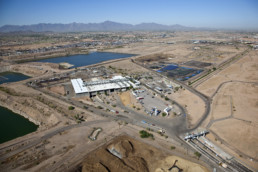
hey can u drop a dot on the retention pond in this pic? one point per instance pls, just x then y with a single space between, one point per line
12 77
86 59
13 125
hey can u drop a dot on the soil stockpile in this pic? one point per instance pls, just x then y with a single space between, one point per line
125 154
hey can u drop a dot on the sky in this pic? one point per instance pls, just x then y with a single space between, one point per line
234 14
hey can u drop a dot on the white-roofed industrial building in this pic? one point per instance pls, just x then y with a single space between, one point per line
91 88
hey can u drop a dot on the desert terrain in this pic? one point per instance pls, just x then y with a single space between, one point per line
233 117
224 103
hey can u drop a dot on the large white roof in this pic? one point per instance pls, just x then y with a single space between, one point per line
78 86
117 82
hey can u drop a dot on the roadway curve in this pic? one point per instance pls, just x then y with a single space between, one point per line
205 98
221 84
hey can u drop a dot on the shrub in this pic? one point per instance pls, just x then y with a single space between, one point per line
99 107
164 114
172 147
197 154
145 134
71 108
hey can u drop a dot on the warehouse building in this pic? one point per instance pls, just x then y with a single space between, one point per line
91 88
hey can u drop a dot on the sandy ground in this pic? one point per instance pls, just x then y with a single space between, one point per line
246 69
221 106
126 98
58 89
35 68
192 103
240 134
244 112
187 166
181 52
127 66
234 111
244 100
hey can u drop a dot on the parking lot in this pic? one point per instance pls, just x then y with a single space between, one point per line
151 102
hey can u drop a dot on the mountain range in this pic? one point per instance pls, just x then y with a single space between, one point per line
104 26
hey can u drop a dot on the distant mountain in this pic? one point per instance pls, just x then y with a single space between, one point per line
104 26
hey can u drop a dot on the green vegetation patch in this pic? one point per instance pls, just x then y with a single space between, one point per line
71 108
197 154
145 134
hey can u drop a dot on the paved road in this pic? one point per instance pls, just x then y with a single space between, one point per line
220 85
205 98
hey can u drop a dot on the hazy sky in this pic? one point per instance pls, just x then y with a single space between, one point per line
198 13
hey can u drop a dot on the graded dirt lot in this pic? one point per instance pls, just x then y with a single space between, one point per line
234 108
58 89
239 134
239 105
127 66
246 69
192 103
34 69
127 99
131 155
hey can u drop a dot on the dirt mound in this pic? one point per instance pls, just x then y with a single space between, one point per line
138 163
124 147
94 167
122 154
130 155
